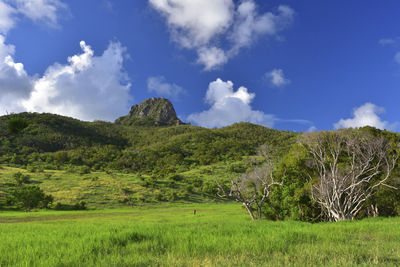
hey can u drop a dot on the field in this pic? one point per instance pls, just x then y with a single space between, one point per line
171 235
117 190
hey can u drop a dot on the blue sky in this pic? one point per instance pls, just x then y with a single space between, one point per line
296 65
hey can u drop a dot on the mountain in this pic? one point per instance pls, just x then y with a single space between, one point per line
134 143
152 111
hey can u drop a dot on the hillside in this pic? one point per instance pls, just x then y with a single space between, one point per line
150 139
130 162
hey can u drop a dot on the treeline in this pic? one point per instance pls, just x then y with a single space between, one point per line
325 176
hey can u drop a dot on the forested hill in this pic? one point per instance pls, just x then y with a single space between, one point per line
146 157
54 140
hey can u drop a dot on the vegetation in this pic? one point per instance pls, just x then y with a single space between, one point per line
218 235
163 184
30 197
111 165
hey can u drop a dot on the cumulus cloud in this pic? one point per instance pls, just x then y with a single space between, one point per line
15 84
161 87
46 11
39 10
194 23
89 87
211 57
201 24
249 24
6 17
365 115
229 106
277 78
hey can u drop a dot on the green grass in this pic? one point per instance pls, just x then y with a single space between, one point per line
112 190
170 235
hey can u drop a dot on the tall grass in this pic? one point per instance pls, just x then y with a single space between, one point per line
218 235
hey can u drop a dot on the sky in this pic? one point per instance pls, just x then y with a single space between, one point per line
293 65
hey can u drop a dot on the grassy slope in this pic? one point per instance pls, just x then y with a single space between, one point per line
218 235
100 189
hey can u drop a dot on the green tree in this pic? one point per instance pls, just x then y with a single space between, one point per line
21 179
30 197
16 125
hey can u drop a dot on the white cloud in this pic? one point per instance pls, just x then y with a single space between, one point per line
201 24
277 78
211 57
161 87
194 23
88 87
397 57
229 106
46 11
39 10
312 129
389 41
6 17
15 84
365 115
249 24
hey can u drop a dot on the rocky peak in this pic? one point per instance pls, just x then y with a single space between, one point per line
152 111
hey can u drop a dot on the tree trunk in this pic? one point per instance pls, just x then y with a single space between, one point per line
249 211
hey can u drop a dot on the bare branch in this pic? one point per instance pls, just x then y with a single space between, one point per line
350 168
252 188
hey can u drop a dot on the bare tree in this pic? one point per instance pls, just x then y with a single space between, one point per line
251 188
350 167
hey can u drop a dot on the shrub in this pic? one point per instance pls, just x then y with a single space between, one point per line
21 179
209 188
176 177
84 170
30 197
81 205
171 196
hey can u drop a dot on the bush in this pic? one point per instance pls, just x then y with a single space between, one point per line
176 177
189 189
209 188
81 205
21 179
31 168
158 195
30 197
84 170
171 196
16 125
140 198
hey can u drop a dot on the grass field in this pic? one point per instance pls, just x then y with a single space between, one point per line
116 189
171 235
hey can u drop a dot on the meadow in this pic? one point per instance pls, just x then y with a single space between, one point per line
171 235
114 189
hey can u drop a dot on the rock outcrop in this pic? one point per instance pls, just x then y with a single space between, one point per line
152 111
